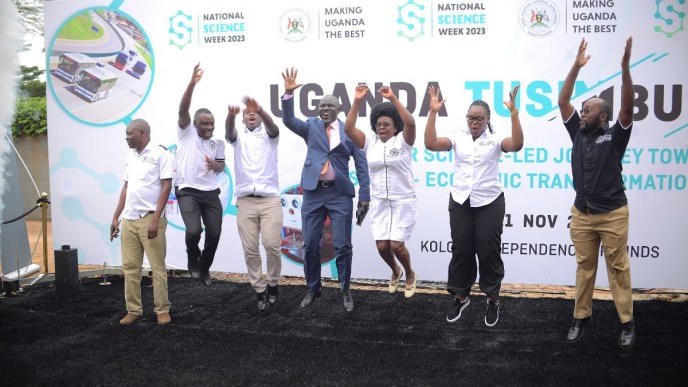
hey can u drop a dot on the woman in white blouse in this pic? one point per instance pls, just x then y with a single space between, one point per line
392 191
476 203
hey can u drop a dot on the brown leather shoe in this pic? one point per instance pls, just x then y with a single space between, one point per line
129 319
164 318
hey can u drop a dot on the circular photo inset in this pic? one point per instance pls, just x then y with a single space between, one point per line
100 66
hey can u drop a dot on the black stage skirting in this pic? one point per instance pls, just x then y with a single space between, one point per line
217 337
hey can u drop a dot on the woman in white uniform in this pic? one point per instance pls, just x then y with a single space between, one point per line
392 191
476 201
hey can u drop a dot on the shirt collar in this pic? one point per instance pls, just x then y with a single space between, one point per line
258 129
144 151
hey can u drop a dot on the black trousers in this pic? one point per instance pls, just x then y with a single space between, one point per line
476 231
196 205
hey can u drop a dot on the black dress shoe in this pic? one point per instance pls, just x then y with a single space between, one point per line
310 296
205 279
627 337
348 301
577 329
262 302
272 295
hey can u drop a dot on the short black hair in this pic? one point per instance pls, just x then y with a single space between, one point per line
386 109
607 108
201 111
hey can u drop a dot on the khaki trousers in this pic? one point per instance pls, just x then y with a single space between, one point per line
260 219
611 229
134 243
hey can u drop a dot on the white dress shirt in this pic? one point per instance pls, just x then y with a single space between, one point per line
475 167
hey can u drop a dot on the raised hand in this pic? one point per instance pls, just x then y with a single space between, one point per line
197 74
626 59
233 110
435 102
289 77
386 92
511 103
361 90
251 104
581 58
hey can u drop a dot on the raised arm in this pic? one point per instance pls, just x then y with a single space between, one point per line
288 119
270 127
409 132
230 123
355 134
565 106
185 104
627 93
432 142
515 142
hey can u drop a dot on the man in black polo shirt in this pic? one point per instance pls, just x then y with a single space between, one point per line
600 210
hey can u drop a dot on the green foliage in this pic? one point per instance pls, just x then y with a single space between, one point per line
30 118
31 85
79 28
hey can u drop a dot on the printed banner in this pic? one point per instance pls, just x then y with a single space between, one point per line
113 62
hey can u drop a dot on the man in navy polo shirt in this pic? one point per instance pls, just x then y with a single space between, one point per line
600 209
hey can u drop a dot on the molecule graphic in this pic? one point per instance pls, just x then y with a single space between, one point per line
415 22
73 208
180 29
669 19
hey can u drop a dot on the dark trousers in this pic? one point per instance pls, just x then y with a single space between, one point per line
317 204
476 231
196 205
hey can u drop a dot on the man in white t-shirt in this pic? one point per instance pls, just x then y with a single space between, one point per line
142 201
200 159
259 205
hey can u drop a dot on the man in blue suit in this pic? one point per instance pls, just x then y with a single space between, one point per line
327 189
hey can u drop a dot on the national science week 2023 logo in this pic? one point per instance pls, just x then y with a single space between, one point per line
213 28
539 18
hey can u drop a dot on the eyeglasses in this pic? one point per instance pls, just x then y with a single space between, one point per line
476 119
383 125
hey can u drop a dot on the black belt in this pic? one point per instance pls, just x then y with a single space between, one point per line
254 196
148 213
325 183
